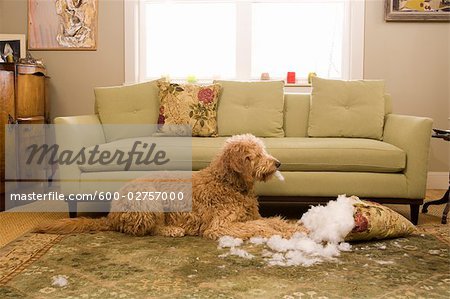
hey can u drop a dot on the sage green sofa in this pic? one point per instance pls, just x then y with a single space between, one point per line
391 170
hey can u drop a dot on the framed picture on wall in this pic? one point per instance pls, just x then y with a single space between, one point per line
12 47
62 24
417 10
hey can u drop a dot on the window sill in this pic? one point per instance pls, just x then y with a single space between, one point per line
297 85
300 83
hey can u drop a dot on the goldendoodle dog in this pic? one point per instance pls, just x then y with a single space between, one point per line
223 201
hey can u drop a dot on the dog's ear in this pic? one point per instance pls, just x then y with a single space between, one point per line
240 163
235 154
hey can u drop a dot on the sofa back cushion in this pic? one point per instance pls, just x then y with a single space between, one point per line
296 113
346 109
130 104
251 107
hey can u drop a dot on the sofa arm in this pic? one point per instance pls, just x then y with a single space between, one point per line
411 134
73 133
87 130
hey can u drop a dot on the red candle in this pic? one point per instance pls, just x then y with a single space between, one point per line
291 77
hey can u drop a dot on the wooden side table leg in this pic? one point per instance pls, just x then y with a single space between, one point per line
444 215
447 208
443 200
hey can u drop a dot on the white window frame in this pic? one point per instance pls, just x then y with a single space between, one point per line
135 40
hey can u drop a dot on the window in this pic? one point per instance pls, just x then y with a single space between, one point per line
184 39
241 39
301 37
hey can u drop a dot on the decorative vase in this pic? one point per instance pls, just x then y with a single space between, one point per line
290 78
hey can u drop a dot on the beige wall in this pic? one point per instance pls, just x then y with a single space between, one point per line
75 73
1 16
413 58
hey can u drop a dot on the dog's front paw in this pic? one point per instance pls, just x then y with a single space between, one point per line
213 235
170 231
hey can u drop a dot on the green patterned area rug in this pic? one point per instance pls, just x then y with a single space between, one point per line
113 265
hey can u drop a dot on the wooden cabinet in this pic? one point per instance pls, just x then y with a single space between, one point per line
7 113
23 99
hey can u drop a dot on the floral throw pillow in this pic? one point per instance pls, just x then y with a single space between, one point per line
188 104
375 221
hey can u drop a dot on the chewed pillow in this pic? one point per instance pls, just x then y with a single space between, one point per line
375 221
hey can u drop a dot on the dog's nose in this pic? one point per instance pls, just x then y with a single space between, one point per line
277 164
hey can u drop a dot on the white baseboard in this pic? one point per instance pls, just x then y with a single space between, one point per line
437 180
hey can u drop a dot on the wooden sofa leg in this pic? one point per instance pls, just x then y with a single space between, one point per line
72 208
415 213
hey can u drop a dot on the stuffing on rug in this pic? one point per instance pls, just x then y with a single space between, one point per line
327 225
330 223
60 281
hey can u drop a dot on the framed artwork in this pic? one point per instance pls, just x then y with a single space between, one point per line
12 47
417 10
62 24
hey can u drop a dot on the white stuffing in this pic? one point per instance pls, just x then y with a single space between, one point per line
266 253
279 176
277 259
257 240
227 241
60 280
344 246
295 258
278 243
327 225
241 253
330 223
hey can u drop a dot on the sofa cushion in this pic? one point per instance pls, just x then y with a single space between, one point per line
316 154
346 109
130 104
189 105
295 154
251 107
330 183
296 113
336 154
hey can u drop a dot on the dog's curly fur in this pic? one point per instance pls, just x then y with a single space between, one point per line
223 201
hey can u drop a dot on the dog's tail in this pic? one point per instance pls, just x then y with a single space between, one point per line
76 225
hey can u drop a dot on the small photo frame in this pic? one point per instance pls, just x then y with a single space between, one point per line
417 10
62 25
14 43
